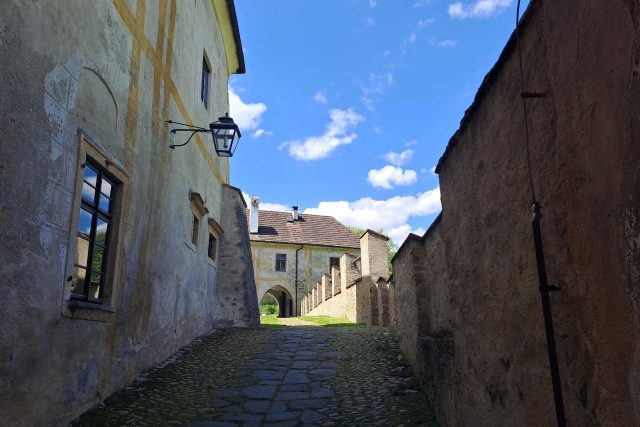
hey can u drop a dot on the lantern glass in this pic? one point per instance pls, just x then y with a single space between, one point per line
226 135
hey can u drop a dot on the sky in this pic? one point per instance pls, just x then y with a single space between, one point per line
347 105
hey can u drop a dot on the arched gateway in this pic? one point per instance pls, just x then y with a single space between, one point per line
284 299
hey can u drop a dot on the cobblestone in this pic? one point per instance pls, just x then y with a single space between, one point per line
298 375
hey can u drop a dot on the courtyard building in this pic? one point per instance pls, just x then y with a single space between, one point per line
291 251
116 250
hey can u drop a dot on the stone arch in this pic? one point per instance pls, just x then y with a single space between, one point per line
286 303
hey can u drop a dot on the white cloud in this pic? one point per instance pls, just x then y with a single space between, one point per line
320 97
421 3
410 143
422 23
479 9
260 132
386 53
378 84
267 206
390 176
369 21
398 159
391 214
398 234
412 37
246 116
377 130
447 43
373 3
337 133
433 171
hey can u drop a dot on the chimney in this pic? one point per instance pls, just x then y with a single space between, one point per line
294 213
253 214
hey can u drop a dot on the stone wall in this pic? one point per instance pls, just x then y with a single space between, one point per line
100 78
236 290
468 312
359 297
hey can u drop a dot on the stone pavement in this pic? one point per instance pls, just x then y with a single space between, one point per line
302 375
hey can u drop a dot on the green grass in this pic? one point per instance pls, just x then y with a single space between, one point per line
270 321
336 322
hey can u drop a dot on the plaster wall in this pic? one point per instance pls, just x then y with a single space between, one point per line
114 70
313 262
474 281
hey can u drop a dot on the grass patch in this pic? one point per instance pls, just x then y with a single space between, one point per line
270 321
336 322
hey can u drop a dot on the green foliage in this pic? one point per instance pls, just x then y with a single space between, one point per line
269 308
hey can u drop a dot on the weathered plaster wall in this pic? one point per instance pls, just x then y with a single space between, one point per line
479 322
116 70
313 262
236 290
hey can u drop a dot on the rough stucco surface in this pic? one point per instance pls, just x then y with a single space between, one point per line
236 288
477 307
74 65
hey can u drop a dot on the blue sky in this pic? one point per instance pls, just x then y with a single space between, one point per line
347 105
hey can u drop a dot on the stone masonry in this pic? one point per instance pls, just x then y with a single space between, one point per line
467 306
358 289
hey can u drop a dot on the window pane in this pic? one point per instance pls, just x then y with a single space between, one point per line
105 203
213 242
82 251
90 174
77 286
88 193
102 229
84 222
195 230
95 285
97 259
106 187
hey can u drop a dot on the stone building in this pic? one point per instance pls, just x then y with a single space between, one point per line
116 250
357 288
468 309
291 251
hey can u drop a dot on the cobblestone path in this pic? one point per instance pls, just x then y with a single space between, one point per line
326 376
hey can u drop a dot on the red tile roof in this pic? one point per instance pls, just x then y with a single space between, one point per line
309 230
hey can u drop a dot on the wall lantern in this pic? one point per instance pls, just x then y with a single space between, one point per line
225 134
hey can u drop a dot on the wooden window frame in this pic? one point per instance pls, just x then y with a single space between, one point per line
80 306
281 264
215 231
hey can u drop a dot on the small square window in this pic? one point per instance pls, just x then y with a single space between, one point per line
334 261
213 247
195 230
281 262
204 87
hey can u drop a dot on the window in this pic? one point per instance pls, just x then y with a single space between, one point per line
213 247
281 262
204 87
93 237
334 261
195 229
92 273
192 222
215 231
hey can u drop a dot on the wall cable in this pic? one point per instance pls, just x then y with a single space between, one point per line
544 288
